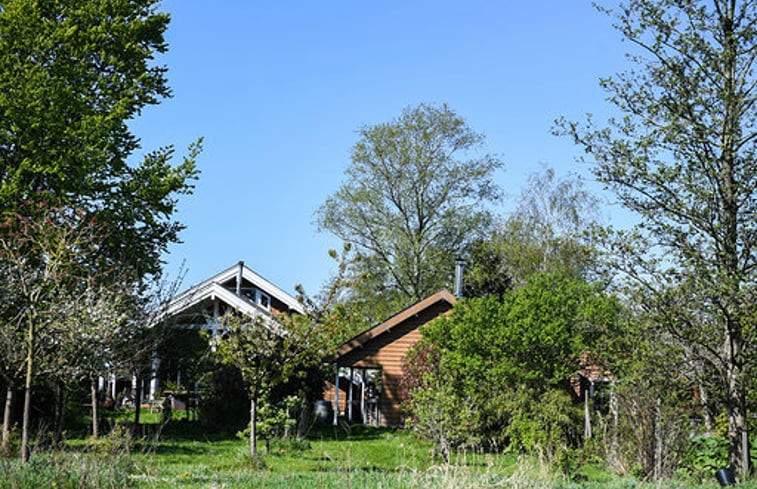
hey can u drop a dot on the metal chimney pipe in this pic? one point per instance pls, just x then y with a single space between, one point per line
459 265
239 278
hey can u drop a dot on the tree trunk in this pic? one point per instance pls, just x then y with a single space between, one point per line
95 424
704 402
615 426
738 433
253 433
587 413
137 403
25 443
658 440
5 447
302 425
60 402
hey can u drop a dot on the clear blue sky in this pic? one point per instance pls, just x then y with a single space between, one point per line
277 89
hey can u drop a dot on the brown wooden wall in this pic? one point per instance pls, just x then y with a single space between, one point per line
387 352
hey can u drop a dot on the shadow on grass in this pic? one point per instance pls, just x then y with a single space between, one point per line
344 431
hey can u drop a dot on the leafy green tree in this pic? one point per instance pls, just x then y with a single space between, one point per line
548 232
682 157
72 75
268 352
413 197
496 361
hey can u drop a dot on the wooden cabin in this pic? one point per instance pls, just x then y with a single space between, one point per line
369 366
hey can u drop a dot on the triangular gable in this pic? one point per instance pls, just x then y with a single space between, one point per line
398 319
218 289
199 292
212 292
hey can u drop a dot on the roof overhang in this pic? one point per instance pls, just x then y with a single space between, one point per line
247 274
386 326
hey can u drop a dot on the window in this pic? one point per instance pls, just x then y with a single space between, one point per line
262 299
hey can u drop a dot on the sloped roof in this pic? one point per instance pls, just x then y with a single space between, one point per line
212 288
386 326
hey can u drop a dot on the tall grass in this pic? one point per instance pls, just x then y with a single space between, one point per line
62 470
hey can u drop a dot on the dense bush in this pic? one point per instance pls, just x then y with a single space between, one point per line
496 373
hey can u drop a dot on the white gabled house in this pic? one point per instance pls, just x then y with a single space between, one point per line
238 289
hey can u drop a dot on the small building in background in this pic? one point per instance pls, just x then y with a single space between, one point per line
370 365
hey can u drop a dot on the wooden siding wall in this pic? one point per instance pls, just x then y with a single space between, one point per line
387 352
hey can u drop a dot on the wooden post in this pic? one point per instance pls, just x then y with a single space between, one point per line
336 396
214 326
349 395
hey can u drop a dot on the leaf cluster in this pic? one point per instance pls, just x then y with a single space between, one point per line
502 359
413 196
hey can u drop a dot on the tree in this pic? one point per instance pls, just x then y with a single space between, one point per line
683 158
270 351
44 259
87 336
413 197
11 356
72 75
548 232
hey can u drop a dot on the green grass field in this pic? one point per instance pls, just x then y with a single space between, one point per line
186 456
343 457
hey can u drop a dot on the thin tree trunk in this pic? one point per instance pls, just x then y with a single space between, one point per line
60 402
5 447
615 426
253 430
137 403
737 425
587 414
25 443
95 424
658 440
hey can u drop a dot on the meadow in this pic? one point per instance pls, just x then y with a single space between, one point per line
184 455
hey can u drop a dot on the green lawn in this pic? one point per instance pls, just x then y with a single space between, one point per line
186 456
345 458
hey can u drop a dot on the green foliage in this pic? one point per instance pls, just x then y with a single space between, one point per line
681 156
116 444
413 197
548 232
496 372
705 456
274 419
73 75
546 424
